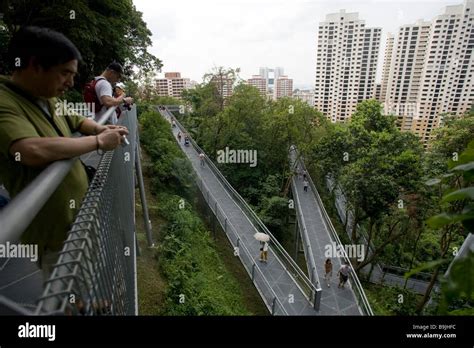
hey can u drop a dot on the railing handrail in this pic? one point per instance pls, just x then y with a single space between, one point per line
76 255
332 230
308 248
13 219
250 211
241 245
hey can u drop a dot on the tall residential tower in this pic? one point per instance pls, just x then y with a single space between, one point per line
346 64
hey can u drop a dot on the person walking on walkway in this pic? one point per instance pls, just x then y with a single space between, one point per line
264 251
201 157
305 174
328 269
305 185
343 274
179 137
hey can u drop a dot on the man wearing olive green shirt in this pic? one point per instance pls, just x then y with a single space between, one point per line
32 136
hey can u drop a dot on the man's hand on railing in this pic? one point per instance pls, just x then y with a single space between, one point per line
110 138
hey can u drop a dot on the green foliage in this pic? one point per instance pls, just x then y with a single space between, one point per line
386 300
166 101
274 214
458 287
198 282
102 31
170 170
454 136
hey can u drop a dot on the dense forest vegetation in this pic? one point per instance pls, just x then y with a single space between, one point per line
197 279
394 185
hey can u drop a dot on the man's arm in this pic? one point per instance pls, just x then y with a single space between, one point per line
109 101
90 127
39 151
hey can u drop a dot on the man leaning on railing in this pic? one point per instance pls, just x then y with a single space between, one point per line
32 134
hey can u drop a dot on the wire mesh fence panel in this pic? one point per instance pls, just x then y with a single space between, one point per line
96 271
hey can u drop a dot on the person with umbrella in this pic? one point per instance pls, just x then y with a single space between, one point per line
263 238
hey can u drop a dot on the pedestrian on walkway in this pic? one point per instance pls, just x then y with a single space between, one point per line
263 252
305 185
328 269
201 157
305 174
179 137
343 274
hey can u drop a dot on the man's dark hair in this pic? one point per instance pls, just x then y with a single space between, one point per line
48 47
115 66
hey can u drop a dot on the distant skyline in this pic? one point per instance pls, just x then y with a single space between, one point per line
193 37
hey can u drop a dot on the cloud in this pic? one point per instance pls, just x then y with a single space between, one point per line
192 37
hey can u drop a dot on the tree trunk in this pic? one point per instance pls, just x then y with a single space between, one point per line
413 255
444 243
427 294
354 229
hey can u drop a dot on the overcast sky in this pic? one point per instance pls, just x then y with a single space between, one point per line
193 36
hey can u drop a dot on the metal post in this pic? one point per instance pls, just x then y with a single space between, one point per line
317 299
146 217
297 240
273 306
225 225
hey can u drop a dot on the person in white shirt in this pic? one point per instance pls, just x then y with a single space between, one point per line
104 91
343 274
201 157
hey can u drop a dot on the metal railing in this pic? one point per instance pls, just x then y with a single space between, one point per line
312 293
271 300
357 286
309 255
344 211
96 270
17 215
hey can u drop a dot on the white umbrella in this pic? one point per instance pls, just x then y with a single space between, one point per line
263 237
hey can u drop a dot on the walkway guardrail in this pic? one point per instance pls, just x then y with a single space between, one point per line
308 252
96 270
17 215
344 211
311 263
357 286
312 293
272 302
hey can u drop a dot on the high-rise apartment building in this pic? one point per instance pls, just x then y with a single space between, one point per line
272 83
270 76
431 68
386 66
446 83
225 86
283 87
346 64
405 62
259 82
304 95
172 85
